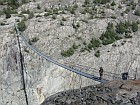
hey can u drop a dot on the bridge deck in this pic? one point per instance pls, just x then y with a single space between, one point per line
80 70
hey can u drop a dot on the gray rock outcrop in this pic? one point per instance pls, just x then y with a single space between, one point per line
112 93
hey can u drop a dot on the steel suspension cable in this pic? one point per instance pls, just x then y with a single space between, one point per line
22 70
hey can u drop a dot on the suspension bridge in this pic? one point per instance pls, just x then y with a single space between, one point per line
85 71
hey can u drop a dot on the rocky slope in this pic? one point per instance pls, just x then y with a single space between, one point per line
57 32
112 93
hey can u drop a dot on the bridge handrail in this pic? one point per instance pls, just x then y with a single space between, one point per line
94 70
97 71
88 68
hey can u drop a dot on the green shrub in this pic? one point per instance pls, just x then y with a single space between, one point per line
38 15
74 46
13 3
30 42
49 11
95 42
7 12
73 8
107 41
1 13
109 33
85 21
90 46
114 45
122 14
34 39
55 11
97 53
79 38
101 1
113 3
3 2
123 27
61 23
84 43
127 10
2 24
128 36
68 52
45 9
38 6
127 24
83 12
113 17
97 1
109 36
86 10
134 26
117 37
26 50
108 6
137 12
104 1
21 26
76 25
63 19
87 49
47 14
54 16
120 7
72 11
25 1
82 49
31 15
8 15
86 3
63 12
133 5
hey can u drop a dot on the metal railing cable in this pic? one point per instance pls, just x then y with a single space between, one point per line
22 69
96 78
94 71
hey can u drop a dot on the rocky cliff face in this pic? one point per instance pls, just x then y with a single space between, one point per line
57 32
112 93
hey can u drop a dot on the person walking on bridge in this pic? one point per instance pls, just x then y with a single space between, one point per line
101 72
